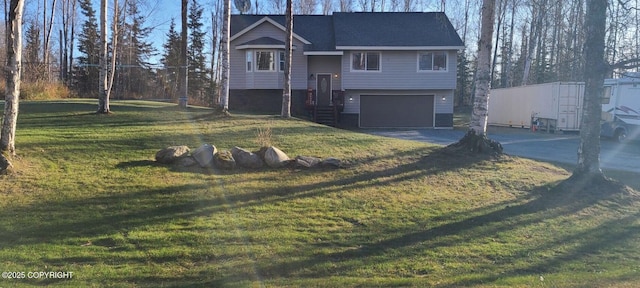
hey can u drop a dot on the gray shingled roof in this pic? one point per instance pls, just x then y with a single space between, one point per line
394 29
398 29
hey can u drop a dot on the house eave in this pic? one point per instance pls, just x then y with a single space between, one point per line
265 46
274 23
399 48
324 53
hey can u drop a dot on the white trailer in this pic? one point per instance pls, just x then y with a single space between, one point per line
553 106
621 108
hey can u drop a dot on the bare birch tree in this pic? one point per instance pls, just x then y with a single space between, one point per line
103 98
224 45
476 139
48 29
286 90
345 5
483 79
69 11
13 72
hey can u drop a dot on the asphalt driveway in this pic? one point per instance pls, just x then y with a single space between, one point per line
540 145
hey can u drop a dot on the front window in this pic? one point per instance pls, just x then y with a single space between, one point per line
249 61
265 61
281 60
365 61
432 61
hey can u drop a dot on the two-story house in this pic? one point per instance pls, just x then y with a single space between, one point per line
379 69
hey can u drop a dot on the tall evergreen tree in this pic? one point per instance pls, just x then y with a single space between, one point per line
171 60
31 54
198 70
135 52
86 78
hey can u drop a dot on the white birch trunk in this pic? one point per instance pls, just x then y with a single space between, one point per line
224 45
103 98
286 90
483 73
13 73
114 45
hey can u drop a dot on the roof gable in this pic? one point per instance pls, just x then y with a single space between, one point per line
248 26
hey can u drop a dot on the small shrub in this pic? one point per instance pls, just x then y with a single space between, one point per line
264 137
40 91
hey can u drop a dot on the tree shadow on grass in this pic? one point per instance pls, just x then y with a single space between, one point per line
539 205
100 215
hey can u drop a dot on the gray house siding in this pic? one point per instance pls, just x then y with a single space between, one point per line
325 65
240 78
399 70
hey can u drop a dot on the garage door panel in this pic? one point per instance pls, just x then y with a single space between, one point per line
396 111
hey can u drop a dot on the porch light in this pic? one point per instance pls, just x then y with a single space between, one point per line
335 75
444 98
350 98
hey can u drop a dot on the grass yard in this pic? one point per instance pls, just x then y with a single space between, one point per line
86 197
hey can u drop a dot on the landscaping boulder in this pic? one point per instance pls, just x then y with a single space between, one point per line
186 162
331 162
307 162
275 158
172 154
246 159
204 155
224 160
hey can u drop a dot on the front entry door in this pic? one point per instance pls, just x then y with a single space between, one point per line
323 89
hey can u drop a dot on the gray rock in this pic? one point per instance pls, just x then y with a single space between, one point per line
5 164
186 162
331 162
275 158
224 160
204 155
246 159
171 154
307 162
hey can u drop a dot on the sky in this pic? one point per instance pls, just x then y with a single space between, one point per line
159 14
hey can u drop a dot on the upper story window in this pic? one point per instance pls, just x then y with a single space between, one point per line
365 61
432 61
265 61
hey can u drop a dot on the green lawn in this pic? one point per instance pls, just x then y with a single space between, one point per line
86 197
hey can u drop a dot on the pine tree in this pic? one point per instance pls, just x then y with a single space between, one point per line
171 60
86 78
32 62
135 51
198 70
